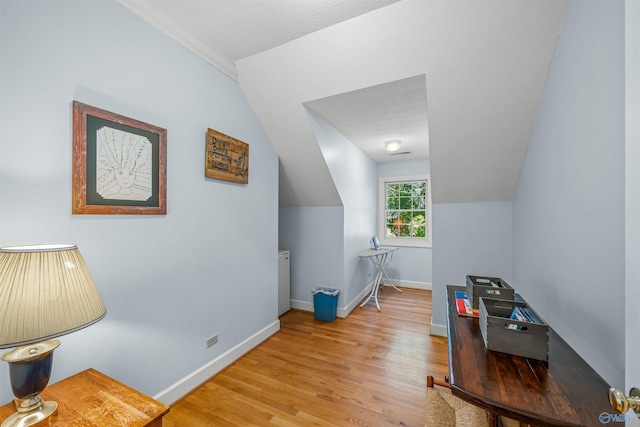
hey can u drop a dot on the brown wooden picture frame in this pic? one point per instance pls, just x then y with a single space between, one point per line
226 158
119 164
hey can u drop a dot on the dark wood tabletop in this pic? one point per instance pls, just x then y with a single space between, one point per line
565 391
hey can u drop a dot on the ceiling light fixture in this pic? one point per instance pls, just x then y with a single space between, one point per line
393 145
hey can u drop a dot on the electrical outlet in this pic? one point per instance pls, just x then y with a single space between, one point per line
211 341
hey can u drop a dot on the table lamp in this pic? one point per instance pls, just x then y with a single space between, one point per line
45 291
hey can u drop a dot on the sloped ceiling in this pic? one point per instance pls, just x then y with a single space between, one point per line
482 65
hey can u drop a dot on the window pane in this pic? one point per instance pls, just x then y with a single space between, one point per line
392 223
405 209
405 218
406 190
390 230
418 224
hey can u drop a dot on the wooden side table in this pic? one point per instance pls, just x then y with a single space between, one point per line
92 399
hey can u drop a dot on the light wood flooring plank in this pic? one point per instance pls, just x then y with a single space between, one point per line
366 370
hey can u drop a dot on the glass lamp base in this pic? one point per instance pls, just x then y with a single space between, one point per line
24 419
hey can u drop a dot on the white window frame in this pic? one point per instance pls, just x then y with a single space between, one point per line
415 242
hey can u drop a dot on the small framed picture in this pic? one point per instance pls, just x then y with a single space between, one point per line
226 158
119 164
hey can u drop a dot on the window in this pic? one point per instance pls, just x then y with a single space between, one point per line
404 216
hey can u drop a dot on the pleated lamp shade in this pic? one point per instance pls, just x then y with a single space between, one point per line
45 291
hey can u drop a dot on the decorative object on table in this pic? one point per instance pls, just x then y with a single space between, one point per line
503 330
45 291
465 308
226 158
119 164
488 287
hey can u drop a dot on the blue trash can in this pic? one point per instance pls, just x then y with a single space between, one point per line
325 303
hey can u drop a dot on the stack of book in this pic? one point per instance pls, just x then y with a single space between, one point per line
463 305
524 314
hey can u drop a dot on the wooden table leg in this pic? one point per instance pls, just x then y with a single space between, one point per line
493 419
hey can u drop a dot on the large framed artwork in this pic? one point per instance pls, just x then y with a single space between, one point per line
227 158
119 164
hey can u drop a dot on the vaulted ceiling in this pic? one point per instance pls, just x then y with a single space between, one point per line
457 81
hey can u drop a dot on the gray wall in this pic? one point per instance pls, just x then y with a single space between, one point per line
569 203
169 282
468 238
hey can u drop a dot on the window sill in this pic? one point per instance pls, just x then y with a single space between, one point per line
401 243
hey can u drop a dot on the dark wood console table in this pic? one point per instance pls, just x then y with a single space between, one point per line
565 391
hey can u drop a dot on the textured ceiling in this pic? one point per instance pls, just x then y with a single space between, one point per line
357 63
391 111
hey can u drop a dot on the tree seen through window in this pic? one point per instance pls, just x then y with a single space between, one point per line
406 209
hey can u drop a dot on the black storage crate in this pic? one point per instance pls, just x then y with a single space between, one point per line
487 287
501 333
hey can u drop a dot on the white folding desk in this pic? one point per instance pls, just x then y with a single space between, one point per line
379 258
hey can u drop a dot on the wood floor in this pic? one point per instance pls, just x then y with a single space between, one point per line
366 370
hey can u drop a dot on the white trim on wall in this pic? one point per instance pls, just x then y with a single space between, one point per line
412 285
181 388
344 311
340 312
163 21
439 330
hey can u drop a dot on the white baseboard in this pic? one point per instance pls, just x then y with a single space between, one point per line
412 285
340 311
356 301
181 388
440 330
302 305
344 311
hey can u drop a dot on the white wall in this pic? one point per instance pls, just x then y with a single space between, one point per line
325 241
408 264
569 203
169 282
314 236
632 192
468 239
354 175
